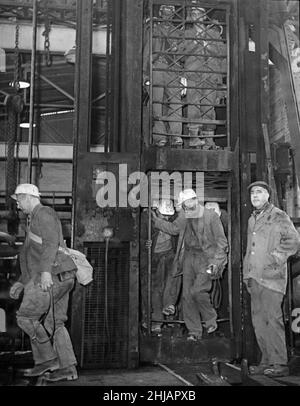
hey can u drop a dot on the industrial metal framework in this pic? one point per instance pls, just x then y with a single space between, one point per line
188 73
238 121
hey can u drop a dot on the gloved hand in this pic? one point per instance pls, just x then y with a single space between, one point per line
46 281
16 290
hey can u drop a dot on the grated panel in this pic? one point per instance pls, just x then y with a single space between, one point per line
106 307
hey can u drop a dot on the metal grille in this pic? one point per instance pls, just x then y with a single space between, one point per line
188 72
106 307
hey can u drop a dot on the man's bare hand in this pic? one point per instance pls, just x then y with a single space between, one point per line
148 244
46 281
16 290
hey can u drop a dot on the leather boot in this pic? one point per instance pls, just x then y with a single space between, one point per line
63 374
40 369
177 142
195 141
209 142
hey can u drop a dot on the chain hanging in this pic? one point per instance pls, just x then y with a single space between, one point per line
17 60
46 32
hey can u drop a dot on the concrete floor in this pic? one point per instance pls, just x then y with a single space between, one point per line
144 376
157 375
150 375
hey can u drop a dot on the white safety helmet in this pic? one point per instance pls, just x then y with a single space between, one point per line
186 194
198 8
166 9
166 208
27 189
215 206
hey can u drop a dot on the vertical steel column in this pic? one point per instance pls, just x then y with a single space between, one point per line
32 90
250 130
263 56
81 139
131 76
108 86
82 92
115 75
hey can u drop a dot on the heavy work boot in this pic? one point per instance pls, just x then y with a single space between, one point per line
159 130
195 141
63 374
44 356
40 369
209 142
176 142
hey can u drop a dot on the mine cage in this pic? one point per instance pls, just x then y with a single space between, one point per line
211 187
187 78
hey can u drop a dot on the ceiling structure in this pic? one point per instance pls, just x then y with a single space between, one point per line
54 59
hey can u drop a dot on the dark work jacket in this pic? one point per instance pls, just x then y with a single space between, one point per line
214 241
272 238
154 232
36 258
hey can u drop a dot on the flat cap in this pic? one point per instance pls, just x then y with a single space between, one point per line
260 183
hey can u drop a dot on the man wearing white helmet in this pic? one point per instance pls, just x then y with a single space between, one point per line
166 97
164 289
205 247
47 277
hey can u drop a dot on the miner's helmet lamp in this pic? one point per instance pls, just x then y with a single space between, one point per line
166 10
166 208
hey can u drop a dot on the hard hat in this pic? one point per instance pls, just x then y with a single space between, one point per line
26 188
198 8
166 208
186 194
168 7
215 206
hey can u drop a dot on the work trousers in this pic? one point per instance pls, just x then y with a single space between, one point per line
165 288
201 102
197 306
267 320
34 305
166 94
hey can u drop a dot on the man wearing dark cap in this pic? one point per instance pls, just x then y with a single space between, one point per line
272 238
